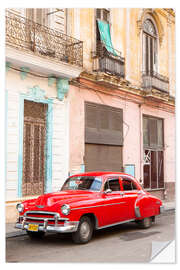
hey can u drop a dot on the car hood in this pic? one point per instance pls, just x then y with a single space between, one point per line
61 197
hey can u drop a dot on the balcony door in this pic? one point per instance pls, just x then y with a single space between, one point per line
149 48
38 15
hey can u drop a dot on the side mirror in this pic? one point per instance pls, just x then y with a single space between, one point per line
107 191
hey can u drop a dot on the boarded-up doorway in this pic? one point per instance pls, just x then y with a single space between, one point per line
103 138
34 153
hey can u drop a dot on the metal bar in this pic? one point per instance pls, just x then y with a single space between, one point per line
41 213
152 79
43 218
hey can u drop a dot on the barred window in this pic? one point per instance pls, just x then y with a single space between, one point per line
153 140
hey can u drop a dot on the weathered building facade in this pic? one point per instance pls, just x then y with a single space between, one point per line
108 104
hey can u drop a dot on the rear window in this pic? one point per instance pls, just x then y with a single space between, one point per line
129 184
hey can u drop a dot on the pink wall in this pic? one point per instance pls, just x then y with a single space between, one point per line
133 135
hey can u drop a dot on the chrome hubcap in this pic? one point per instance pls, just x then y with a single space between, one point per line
85 230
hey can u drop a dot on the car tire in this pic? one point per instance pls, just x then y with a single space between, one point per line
35 235
145 223
84 232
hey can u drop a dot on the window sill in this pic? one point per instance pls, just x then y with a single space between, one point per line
155 189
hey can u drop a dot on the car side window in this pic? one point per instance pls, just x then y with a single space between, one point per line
112 184
128 184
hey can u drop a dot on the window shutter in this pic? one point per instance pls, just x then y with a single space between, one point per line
155 55
30 14
160 132
60 20
104 124
151 56
39 16
153 169
153 132
98 13
160 169
145 132
147 55
144 52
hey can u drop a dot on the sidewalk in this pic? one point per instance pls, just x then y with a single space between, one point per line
13 232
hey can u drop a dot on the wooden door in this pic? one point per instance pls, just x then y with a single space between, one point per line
34 154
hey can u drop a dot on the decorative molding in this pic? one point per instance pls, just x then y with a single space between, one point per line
8 66
23 72
148 13
51 79
169 21
62 87
82 170
49 138
36 93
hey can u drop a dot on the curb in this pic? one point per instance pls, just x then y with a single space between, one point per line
169 209
21 233
15 234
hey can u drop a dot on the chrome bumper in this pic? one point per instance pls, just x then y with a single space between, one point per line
68 227
161 209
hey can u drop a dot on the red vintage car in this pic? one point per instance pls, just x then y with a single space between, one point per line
87 202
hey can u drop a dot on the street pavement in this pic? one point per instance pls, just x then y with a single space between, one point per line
124 243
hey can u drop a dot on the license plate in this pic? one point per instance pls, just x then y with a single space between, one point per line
33 227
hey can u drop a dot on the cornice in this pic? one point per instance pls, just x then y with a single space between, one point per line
119 86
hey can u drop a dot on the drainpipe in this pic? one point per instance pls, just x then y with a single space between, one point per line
140 140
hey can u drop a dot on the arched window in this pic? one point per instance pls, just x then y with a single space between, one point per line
150 39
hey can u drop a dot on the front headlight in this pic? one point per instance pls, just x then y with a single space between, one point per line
20 207
65 209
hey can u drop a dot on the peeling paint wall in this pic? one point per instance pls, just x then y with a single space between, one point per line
127 38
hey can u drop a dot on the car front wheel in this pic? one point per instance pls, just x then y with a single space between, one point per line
84 231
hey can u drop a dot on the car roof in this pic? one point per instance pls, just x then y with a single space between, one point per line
100 173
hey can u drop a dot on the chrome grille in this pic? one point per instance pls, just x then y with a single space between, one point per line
52 218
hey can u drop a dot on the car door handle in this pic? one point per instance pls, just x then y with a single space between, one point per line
122 193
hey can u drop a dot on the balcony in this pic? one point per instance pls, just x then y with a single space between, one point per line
103 61
153 80
27 35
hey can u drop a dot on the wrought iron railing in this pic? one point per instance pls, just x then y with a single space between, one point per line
25 34
105 61
153 80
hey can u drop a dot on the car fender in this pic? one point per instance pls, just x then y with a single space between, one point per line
147 206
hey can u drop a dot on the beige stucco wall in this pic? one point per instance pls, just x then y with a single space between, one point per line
127 38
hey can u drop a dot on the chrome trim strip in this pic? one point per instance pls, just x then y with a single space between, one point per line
114 224
97 206
41 213
137 212
42 218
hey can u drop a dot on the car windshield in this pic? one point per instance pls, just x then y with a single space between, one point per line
83 183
